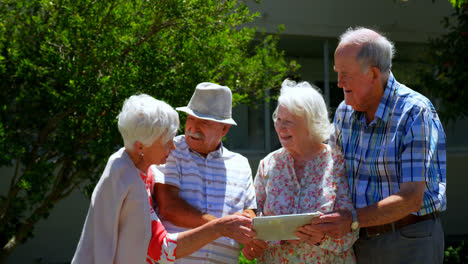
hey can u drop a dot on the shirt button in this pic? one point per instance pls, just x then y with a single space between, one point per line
209 205
209 182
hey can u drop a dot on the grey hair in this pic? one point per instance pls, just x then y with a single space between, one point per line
376 49
306 101
146 119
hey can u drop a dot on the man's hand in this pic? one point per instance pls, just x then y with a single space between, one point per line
335 224
254 248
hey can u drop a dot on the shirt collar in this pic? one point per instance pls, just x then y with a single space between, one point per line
383 110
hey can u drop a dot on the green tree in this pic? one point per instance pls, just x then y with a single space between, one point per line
448 79
67 65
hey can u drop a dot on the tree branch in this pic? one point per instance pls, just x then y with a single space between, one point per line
45 132
155 28
104 20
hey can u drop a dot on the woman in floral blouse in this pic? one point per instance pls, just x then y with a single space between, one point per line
304 176
121 226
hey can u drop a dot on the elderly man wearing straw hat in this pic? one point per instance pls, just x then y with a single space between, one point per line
202 179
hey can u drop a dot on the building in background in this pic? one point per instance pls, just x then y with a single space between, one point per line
310 38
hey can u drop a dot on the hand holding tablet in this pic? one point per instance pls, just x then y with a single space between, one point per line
280 227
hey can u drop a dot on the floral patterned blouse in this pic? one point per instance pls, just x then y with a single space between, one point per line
323 188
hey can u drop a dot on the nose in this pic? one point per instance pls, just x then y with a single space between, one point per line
194 125
191 126
341 82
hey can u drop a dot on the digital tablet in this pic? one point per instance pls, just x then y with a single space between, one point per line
280 227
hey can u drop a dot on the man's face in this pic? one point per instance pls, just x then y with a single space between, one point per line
204 136
359 88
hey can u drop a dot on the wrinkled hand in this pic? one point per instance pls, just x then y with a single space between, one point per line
237 227
335 224
308 233
254 248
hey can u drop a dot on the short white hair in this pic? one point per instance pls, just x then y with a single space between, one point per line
146 119
376 50
306 101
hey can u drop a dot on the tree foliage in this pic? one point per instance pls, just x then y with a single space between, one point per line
448 80
67 65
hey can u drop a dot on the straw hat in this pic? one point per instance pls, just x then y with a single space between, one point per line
210 102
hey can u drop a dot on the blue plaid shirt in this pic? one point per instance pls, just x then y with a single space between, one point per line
404 143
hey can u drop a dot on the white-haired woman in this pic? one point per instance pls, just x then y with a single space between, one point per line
304 176
121 225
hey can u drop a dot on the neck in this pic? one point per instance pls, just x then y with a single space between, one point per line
307 152
369 115
380 88
205 154
138 160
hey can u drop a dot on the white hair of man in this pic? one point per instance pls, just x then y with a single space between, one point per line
376 49
303 100
146 119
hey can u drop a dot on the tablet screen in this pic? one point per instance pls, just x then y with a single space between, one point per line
280 227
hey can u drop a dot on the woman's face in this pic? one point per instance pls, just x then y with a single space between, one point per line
291 129
158 152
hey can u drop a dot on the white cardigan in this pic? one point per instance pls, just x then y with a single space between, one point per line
118 225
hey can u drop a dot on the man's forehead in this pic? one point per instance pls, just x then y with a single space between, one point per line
347 50
205 120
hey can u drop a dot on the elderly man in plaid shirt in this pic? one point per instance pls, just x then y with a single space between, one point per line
394 150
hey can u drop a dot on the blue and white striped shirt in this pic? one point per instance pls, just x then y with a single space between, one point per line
404 143
220 184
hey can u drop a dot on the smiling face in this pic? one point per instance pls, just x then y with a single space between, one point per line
360 90
291 129
204 136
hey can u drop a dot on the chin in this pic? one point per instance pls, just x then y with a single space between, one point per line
286 145
348 101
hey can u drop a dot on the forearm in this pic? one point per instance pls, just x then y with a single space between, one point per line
191 240
234 226
394 207
184 215
178 211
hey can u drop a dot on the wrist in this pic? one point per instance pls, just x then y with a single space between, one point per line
208 218
354 221
217 226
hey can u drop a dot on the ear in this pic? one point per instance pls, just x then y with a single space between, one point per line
138 146
226 129
374 74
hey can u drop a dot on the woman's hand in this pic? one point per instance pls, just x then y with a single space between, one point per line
237 227
309 234
254 248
